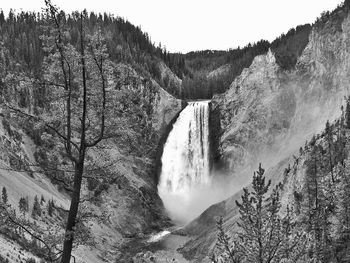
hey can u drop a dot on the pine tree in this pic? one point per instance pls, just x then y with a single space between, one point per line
251 219
263 236
50 207
320 183
342 242
23 205
4 196
314 194
329 138
293 239
36 207
347 112
224 245
259 238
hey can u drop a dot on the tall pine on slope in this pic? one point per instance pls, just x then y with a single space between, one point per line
4 196
262 236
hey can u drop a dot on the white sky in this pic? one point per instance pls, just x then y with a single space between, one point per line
187 25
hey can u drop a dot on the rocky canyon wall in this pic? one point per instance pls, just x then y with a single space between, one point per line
268 114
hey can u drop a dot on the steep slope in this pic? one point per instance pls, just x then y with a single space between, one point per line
268 113
122 198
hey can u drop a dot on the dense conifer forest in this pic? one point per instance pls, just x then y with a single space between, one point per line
21 40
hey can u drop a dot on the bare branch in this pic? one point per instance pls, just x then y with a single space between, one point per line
70 156
15 222
100 137
67 76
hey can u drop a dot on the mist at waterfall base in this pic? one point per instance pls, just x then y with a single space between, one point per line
186 186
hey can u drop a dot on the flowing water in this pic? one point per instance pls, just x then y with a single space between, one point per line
185 164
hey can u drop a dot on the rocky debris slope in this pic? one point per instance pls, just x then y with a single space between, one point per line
121 197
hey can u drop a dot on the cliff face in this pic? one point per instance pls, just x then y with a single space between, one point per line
268 113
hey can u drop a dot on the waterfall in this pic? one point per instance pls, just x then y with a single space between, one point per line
185 163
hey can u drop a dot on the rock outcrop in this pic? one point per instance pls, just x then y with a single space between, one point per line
268 113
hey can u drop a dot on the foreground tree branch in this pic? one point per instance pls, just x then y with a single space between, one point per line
84 105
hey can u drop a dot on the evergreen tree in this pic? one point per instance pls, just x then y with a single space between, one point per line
260 237
4 196
224 245
293 239
342 242
23 205
36 207
329 138
347 112
253 219
50 207
313 174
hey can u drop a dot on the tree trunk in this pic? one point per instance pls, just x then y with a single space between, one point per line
73 211
330 158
